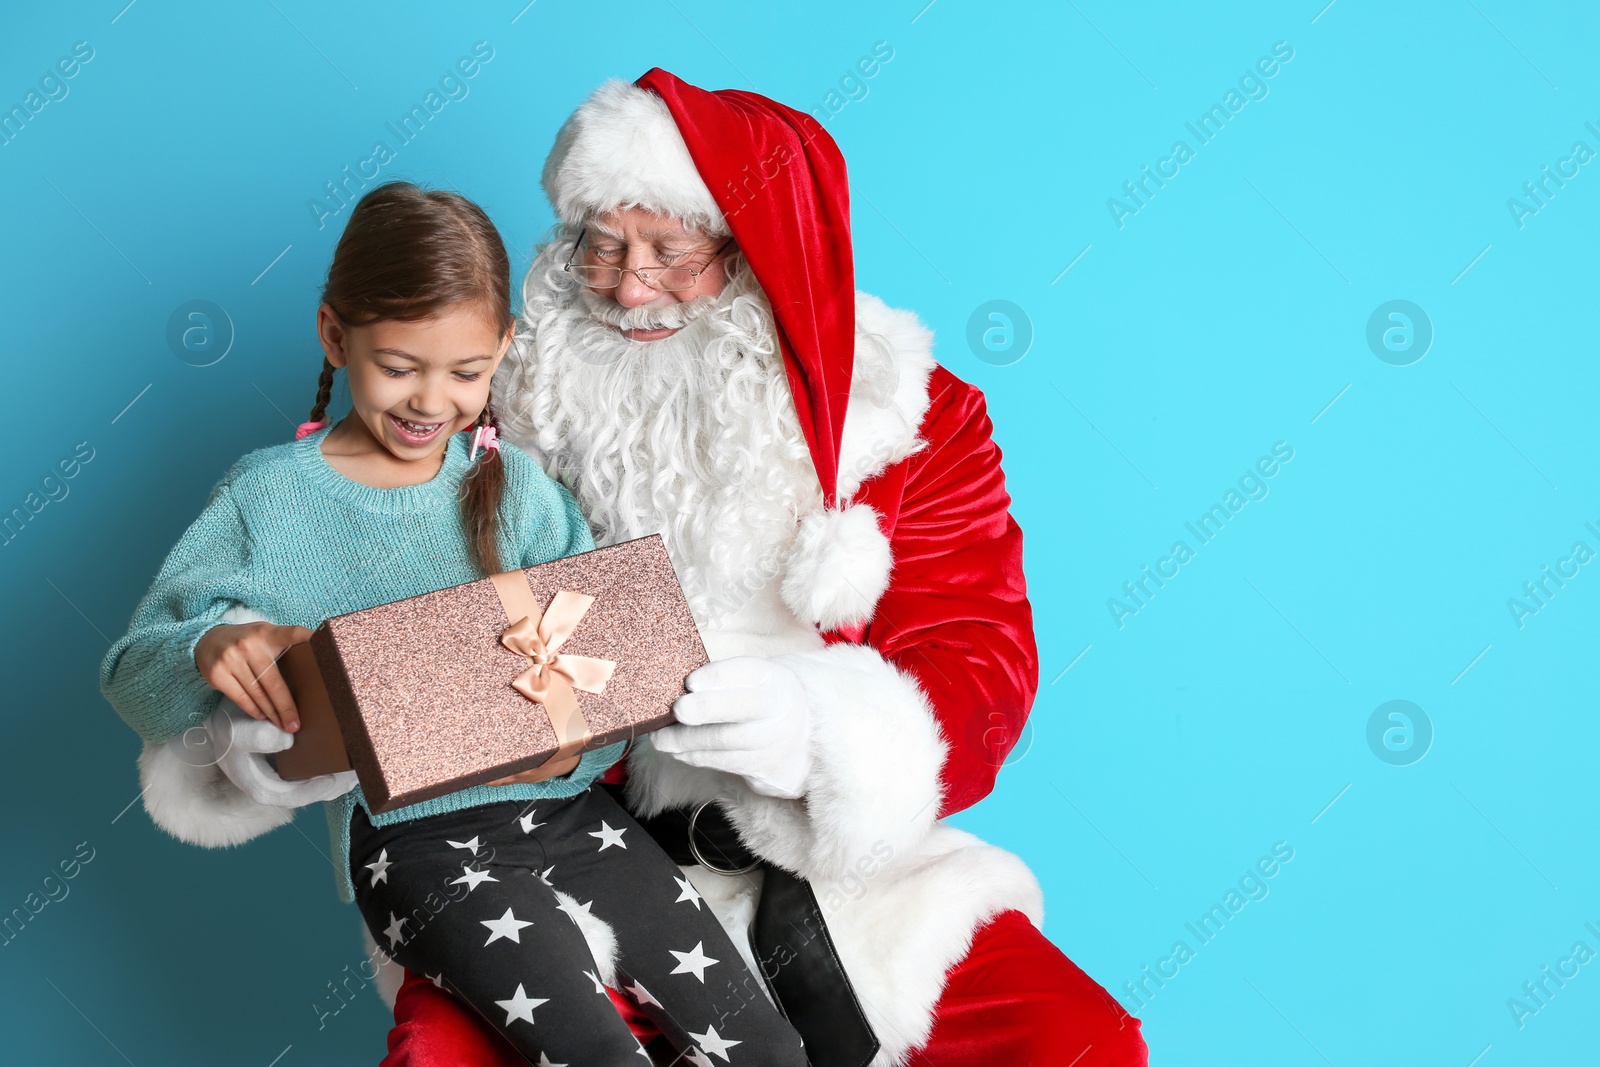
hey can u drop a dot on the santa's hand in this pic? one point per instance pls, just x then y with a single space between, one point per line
239 745
746 716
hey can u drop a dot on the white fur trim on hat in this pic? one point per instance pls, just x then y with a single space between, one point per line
838 568
621 149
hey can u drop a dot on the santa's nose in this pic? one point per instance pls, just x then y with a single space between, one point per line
631 292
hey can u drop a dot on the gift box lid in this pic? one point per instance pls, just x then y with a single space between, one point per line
425 689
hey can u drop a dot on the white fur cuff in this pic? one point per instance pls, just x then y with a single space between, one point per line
199 805
876 753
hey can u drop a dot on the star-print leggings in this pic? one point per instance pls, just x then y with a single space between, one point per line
469 899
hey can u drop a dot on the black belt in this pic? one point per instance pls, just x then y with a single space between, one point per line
788 936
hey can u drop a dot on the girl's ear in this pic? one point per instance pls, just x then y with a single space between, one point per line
333 335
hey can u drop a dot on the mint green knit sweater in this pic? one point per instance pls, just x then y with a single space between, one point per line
286 535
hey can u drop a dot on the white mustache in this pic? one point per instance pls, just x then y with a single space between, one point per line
645 317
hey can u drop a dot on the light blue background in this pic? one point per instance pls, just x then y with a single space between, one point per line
1228 314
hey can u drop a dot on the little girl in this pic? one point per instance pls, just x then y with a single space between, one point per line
392 502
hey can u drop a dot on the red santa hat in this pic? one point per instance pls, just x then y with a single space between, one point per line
733 162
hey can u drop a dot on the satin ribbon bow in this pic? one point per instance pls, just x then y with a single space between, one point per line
550 677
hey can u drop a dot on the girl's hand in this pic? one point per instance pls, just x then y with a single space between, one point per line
539 773
513 779
241 663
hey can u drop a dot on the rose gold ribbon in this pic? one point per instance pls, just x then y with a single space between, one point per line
550 677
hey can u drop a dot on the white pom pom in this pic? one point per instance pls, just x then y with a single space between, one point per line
838 568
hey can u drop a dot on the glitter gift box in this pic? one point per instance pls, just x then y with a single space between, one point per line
523 670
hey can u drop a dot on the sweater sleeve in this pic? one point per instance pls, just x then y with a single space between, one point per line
149 675
579 538
545 521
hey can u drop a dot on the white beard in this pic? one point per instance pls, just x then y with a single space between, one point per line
694 436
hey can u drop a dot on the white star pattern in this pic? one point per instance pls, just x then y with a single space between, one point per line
694 962
520 1006
393 931
545 876
507 926
528 825
711 1043
641 995
544 1061
687 892
380 869
599 987
473 878
470 845
608 836
437 979
697 1058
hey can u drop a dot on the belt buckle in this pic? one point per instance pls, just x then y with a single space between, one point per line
694 849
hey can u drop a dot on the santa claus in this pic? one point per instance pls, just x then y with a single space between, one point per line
693 358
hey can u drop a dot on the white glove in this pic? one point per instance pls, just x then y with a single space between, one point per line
238 744
747 716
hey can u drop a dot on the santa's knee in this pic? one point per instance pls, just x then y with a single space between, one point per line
1088 1023
1109 1042
1062 1030
434 1029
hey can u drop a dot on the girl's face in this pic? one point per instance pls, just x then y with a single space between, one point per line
413 384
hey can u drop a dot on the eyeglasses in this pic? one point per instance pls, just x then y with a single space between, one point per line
665 279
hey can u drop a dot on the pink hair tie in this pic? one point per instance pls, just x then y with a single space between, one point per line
306 429
486 438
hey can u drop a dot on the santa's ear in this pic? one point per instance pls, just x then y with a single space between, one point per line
838 568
